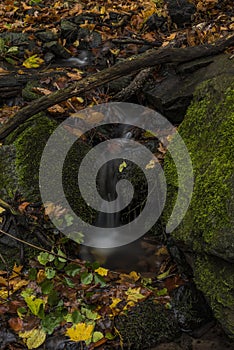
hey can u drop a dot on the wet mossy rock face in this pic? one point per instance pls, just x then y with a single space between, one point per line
20 162
20 159
207 228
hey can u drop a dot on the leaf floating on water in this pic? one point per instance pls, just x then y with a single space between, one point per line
122 166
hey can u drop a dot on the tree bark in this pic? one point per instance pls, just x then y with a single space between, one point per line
133 64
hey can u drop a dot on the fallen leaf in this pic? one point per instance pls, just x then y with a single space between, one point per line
102 271
81 331
122 166
151 164
16 323
33 62
133 294
33 338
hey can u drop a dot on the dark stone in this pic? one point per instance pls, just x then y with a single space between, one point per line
172 96
69 31
46 36
190 308
156 22
57 49
180 11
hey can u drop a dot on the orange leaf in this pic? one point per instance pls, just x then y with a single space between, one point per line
16 323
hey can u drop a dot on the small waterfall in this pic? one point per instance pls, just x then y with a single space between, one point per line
107 179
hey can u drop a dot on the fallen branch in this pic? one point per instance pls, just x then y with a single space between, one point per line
148 59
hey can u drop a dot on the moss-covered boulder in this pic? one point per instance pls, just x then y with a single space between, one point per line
20 162
207 228
146 325
20 159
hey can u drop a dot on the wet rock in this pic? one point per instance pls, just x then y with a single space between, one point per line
207 228
180 11
172 96
57 49
69 31
47 36
156 22
190 308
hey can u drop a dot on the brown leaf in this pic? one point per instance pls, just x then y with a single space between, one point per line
16 324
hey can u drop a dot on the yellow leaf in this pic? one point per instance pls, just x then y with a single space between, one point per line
151 164
101 271
20 284
33 62
80 331
2 210
115 51
122 166
33 338
115 301
133 294
16 271
80 99
4 294
133 276
41 276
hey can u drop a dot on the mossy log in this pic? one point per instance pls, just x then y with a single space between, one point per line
151 58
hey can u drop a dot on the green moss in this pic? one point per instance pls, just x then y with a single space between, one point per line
207 228
208 132
28 93
147 324
216 280
29 146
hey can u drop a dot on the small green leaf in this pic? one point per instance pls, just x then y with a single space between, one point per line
77 317
21 311
46 286
86 277
51 321
72 269
61 253
50 272
69 219
44 258
97 336
91 315
163 275
58 264
99 280
14 50
53 298
162 292
69 282
32 274
110 336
